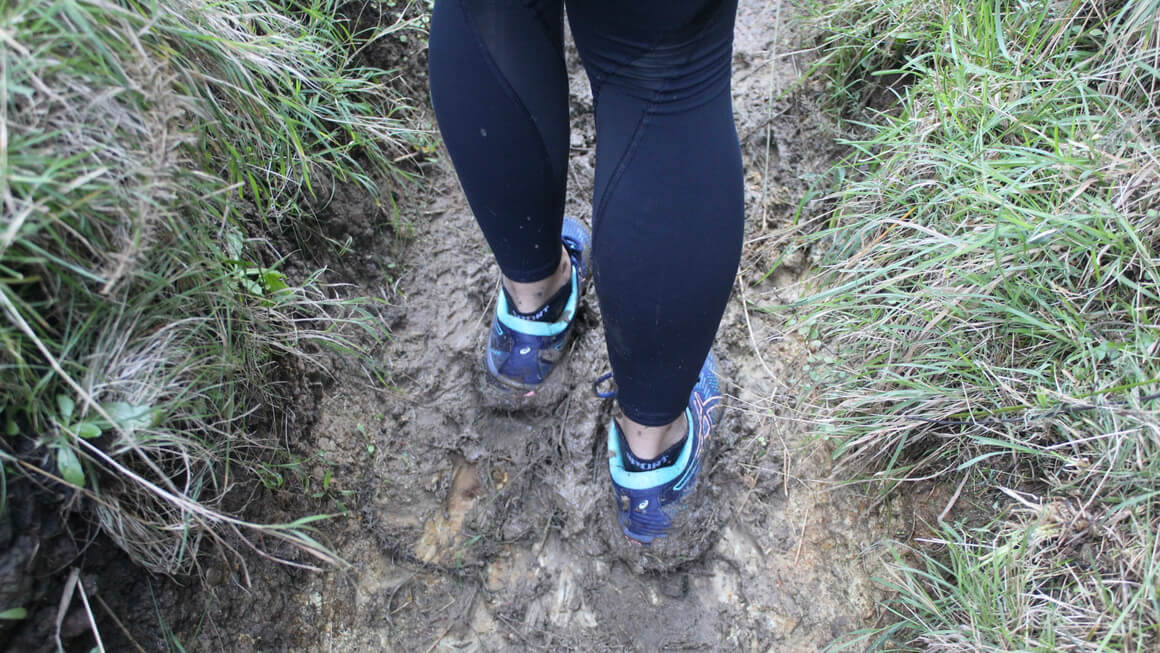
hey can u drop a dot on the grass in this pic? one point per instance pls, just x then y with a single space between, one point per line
988 298
146 150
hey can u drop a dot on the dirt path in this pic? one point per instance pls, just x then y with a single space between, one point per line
477 530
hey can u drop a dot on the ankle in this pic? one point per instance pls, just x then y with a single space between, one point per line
530 297
648 442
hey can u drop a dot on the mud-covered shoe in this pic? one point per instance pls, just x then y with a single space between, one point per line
647 502
522 353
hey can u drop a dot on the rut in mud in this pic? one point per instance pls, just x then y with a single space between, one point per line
471 528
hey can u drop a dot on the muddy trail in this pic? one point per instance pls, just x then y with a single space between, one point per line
475 529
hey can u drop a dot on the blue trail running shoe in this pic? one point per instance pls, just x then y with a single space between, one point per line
647 502
522 353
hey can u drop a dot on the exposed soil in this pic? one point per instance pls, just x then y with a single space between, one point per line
470 528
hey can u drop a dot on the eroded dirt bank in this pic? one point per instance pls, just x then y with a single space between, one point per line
474 529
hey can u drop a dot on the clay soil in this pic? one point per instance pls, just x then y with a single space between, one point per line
472 528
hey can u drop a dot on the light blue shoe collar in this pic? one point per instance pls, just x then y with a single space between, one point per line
652 478
541 329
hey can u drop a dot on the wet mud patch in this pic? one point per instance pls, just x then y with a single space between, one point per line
475 527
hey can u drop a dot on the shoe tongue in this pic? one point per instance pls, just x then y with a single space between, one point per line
549 312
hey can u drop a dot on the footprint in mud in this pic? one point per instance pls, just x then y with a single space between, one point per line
443 541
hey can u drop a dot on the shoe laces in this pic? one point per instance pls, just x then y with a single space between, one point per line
604 379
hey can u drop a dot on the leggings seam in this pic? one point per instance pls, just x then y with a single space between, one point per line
625 159
509 90
638 131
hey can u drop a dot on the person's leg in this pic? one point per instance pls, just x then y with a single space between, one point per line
500 92
669 208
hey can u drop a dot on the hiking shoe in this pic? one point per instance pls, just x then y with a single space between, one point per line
647 502
521 353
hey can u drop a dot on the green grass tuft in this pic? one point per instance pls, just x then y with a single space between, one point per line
145 148
991 288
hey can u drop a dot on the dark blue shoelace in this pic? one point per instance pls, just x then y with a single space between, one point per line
604 394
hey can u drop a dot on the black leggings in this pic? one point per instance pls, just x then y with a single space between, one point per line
668 206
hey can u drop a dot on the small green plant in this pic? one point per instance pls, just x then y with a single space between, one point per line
368 442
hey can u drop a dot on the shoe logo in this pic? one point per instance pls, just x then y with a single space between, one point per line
525 350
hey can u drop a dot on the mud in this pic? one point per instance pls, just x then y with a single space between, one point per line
47 547
470 528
